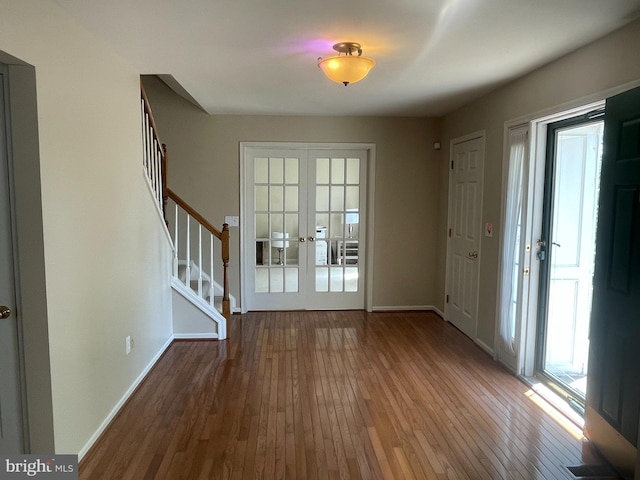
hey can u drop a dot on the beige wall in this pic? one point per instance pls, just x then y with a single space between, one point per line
106 257
588 74
204 169
410 174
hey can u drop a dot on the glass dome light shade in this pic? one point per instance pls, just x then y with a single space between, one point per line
346 69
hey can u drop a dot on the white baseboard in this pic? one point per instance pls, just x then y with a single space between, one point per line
195 336
205 336
484 346
103 426
405 308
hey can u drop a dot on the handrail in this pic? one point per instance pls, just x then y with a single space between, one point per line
223 236
193 212
155 164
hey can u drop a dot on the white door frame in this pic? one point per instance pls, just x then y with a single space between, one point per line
451 215
524 364
371 161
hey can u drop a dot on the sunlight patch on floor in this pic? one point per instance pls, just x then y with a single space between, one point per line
557 409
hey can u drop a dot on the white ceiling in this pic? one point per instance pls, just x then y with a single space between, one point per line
259 56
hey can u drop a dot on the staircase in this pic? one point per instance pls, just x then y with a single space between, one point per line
200 250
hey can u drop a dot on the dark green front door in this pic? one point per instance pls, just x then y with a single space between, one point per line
613 389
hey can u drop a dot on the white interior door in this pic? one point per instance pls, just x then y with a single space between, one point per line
11 433
304 228
275 211
463 251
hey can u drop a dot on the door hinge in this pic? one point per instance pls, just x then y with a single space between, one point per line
447 298
451 164
449 233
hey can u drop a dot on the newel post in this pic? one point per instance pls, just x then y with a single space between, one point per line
226 305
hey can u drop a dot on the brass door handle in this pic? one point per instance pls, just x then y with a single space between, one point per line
302 239
312 239
473 254
5 312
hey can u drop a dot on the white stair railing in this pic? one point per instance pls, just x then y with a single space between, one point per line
190 269
154 155
196 243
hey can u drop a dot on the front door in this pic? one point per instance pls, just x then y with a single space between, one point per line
465 212
304 228
11 434
613 384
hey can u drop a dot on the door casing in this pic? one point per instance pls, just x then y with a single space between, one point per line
524 361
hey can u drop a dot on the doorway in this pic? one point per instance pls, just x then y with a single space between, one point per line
550 185
304 226
611 410
566 252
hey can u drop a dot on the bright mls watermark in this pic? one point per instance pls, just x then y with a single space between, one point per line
50 467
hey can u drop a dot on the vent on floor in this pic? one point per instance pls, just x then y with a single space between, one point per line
593 471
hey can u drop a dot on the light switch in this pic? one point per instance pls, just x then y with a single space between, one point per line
232 220
488 229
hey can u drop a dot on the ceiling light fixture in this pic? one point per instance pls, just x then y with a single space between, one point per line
347 68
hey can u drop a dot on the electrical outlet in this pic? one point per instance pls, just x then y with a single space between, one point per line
128 343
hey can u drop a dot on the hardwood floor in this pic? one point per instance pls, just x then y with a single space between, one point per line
332 395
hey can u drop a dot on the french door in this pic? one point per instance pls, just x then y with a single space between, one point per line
304 224
566 251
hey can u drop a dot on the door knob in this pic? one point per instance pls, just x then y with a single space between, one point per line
312 239
302 239
473 254
5 312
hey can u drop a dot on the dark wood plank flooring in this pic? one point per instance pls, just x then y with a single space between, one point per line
332 395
